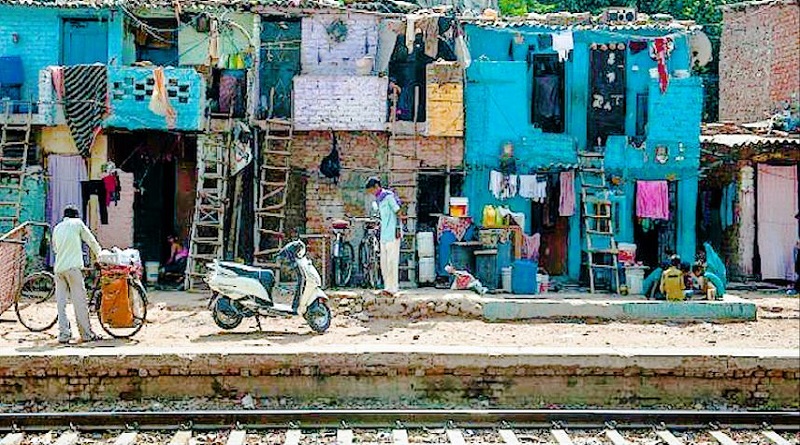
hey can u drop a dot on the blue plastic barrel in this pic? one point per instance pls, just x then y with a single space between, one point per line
523 277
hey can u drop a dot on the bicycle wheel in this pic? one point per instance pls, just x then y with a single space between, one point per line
369 262
36 305
137 298
343 265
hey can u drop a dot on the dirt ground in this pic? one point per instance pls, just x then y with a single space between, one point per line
182 320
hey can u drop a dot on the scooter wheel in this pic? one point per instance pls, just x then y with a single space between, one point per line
319 316
223 314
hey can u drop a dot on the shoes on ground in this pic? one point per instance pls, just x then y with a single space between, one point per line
91 338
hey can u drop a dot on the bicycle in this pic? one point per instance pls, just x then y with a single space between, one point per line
39 289
369 253
343 254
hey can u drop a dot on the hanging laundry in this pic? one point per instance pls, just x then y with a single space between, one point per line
727 206
85 103
516 217
566 205
57 78
462 50
552 198
388 32
660 51
213 43
159 101
411 30
111 183
652 199
563 44
533 187
503 186
530 246
98 188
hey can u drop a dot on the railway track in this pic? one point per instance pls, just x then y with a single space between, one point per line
403 427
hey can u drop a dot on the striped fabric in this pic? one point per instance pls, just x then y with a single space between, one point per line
84 102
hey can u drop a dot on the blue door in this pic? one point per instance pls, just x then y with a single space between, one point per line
84 42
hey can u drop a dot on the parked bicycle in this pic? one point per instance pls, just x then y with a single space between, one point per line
343 254
36 305
369 253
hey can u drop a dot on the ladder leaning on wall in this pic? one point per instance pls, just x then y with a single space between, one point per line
207 236
273 185
598 222
15 141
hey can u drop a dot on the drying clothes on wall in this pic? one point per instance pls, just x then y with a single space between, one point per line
530 246
547 100
566 204
660 51
119 230
84 103
159 101
66 174
457 226
777 226
652 199
727 206
533 187
563 44
113 188
428 26
446 43
517 217
503 186
57 78
97 188
388 33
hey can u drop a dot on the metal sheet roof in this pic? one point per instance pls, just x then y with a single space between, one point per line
742 140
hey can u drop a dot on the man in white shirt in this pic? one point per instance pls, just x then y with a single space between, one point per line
68 238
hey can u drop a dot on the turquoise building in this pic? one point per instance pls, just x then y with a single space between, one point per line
519 90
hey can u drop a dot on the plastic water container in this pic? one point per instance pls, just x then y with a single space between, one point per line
459 206
506 279
427 269
543 281
627 253
634 277
151 271
523 277
425 248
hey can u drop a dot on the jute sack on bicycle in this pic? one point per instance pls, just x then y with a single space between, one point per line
115 306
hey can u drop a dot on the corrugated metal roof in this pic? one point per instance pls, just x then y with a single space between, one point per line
755 3
585 21
743 140
386 6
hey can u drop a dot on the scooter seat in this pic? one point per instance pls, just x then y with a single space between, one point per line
264 276
340 224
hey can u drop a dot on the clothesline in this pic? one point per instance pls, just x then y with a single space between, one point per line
620 35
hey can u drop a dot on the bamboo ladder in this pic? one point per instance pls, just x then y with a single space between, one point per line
15 141
601 246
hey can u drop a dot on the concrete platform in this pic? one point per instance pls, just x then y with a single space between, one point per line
506 307
416 375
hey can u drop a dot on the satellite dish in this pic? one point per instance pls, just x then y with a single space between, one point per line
700 47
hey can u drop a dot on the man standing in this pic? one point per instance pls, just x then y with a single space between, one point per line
391 233
68 238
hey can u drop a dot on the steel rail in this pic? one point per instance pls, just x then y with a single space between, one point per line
387 418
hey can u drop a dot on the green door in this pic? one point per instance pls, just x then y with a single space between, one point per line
280 62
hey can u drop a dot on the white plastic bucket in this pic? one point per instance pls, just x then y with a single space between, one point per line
634 276
505 275
427 270
425 247
151 271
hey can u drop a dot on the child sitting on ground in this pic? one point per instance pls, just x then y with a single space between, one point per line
464 280
703 286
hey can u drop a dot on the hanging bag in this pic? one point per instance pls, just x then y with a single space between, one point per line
331 165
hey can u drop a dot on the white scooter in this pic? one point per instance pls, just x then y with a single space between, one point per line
240 291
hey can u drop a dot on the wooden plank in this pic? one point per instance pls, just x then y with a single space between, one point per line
775 438
722 438
561 437
12 439
344 437
68 438
293 437
509 437
400 437
181 438
237 437
128 438
455 437
668 437
615 437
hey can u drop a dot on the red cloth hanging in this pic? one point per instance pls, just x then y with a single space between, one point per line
662 46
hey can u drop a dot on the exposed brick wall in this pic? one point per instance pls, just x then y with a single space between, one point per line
759 59
340 102
321 55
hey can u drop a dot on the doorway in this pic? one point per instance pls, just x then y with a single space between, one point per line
84 42
656 240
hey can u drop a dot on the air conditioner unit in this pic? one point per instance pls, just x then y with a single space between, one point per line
620 15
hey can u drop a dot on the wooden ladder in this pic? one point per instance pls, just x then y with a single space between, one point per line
403 181
598 220
207 237
273 184
15 142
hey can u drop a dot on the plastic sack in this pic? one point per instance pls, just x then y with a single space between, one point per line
115 306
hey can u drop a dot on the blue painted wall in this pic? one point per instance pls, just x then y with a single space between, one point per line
33 209
130 105
497 105
40 37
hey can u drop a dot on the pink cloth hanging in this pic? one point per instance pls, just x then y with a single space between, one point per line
530 246
777 203
652 199
566 205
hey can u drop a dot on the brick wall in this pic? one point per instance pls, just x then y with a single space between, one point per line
340 102
759 59
322 55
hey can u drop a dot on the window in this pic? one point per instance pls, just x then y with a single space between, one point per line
157 41
641 114
547 105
